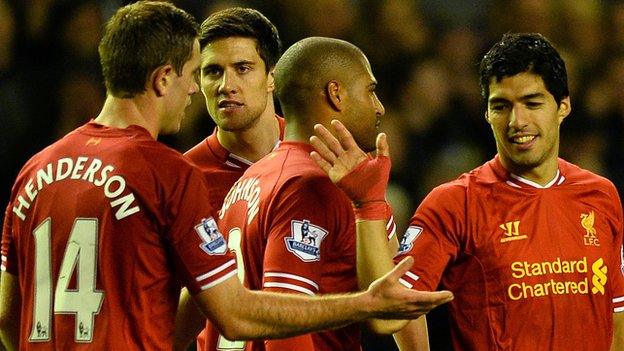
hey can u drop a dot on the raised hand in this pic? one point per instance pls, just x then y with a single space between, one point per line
392 300
338 155
363 178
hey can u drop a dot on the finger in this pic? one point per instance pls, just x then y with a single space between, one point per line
328 139
344 136
433 298
322 149
325 166
383 149
401 268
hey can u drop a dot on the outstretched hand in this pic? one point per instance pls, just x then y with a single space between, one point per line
392 300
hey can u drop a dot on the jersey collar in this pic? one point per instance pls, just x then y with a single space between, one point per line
230 159
517 181
226 157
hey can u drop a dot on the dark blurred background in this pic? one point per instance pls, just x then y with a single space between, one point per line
424 54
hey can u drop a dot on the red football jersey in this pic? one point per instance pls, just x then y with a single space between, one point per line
531 267
294 231
101 236
220 167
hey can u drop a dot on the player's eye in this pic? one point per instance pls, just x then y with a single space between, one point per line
242 69
498 107
212 71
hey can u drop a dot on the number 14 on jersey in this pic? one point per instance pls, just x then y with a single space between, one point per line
84 301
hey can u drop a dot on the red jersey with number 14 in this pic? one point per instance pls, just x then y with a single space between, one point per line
101 235
531 267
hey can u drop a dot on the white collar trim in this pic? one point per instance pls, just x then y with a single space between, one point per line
558 179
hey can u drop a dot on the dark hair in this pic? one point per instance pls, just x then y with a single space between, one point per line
141 37
307 66
525 52
246 23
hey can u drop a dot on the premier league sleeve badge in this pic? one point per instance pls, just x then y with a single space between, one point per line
412 233
213 242
305 240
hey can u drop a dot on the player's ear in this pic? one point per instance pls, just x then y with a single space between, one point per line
564 108
334 95
271 80
160 79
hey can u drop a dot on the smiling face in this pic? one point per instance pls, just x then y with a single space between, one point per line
525 120
235 82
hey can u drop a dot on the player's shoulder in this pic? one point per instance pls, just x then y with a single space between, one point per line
57 149
449 193
134 151
463 182
203 156
457 191
300 170
576 175
289 159
294 171
198 150
589 185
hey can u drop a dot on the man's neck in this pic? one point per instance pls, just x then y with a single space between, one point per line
542 174
122 113
301 127
298 132
253 143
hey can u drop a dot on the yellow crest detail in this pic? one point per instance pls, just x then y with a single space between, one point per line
587 221
600 276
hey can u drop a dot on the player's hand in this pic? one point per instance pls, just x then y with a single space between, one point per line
392 300
339 154
363 178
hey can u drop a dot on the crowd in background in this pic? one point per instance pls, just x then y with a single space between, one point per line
424 53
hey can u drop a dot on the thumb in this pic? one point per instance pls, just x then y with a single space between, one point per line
401 268
383 149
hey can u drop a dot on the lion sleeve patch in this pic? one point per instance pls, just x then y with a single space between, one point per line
305 240
213 242
407 242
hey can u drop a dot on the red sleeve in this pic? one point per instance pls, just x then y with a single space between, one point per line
308 218
434 236
299 343
199 248
390 224
7 251
617 275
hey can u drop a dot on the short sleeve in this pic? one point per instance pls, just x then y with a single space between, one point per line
199 248
617 274
309 219
433 237
299 343
390 223
7 250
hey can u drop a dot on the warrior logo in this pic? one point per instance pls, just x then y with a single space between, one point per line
305 240
511 231
213 241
